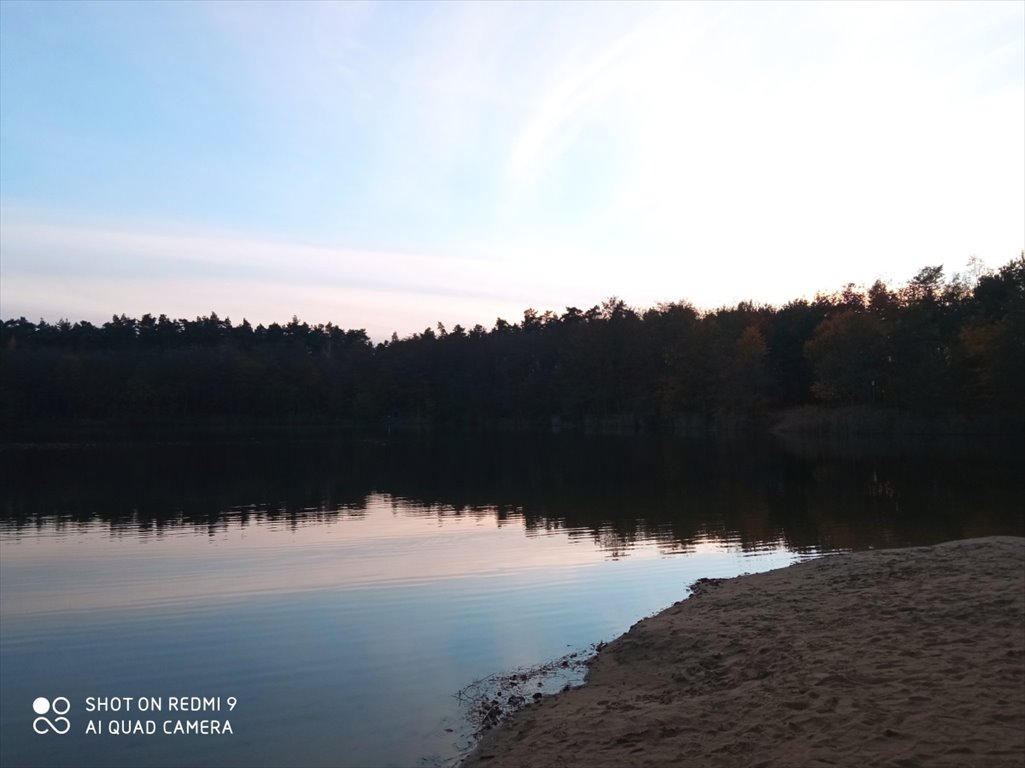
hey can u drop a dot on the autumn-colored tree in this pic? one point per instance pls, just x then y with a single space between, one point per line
848 357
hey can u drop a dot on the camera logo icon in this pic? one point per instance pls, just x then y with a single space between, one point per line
60 706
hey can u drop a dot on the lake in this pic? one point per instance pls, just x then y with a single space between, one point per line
329 598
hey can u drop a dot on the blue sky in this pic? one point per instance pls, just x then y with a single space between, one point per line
391 165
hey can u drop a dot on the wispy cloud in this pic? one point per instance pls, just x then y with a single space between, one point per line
457 161
92 273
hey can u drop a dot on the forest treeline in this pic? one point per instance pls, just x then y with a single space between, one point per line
934 347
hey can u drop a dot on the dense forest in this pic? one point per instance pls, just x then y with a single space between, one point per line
938 349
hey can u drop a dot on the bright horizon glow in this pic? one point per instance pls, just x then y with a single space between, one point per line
388 166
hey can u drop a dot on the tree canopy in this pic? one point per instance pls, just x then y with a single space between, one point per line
934 345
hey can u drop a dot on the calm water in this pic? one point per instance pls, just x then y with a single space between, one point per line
335 595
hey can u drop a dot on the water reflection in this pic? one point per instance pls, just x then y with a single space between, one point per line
345 590
387 543
616 492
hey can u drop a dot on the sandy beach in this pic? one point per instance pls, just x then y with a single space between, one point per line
907 657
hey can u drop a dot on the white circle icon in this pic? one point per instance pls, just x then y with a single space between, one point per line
41 705
61 705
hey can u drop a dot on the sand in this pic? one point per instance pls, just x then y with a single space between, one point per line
905 657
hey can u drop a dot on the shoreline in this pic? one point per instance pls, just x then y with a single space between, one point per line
893 657
807 421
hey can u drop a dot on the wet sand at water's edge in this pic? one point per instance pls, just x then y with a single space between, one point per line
904 657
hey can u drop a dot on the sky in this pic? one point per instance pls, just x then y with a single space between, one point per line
392 165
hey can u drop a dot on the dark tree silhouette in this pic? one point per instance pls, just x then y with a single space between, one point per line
931 347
